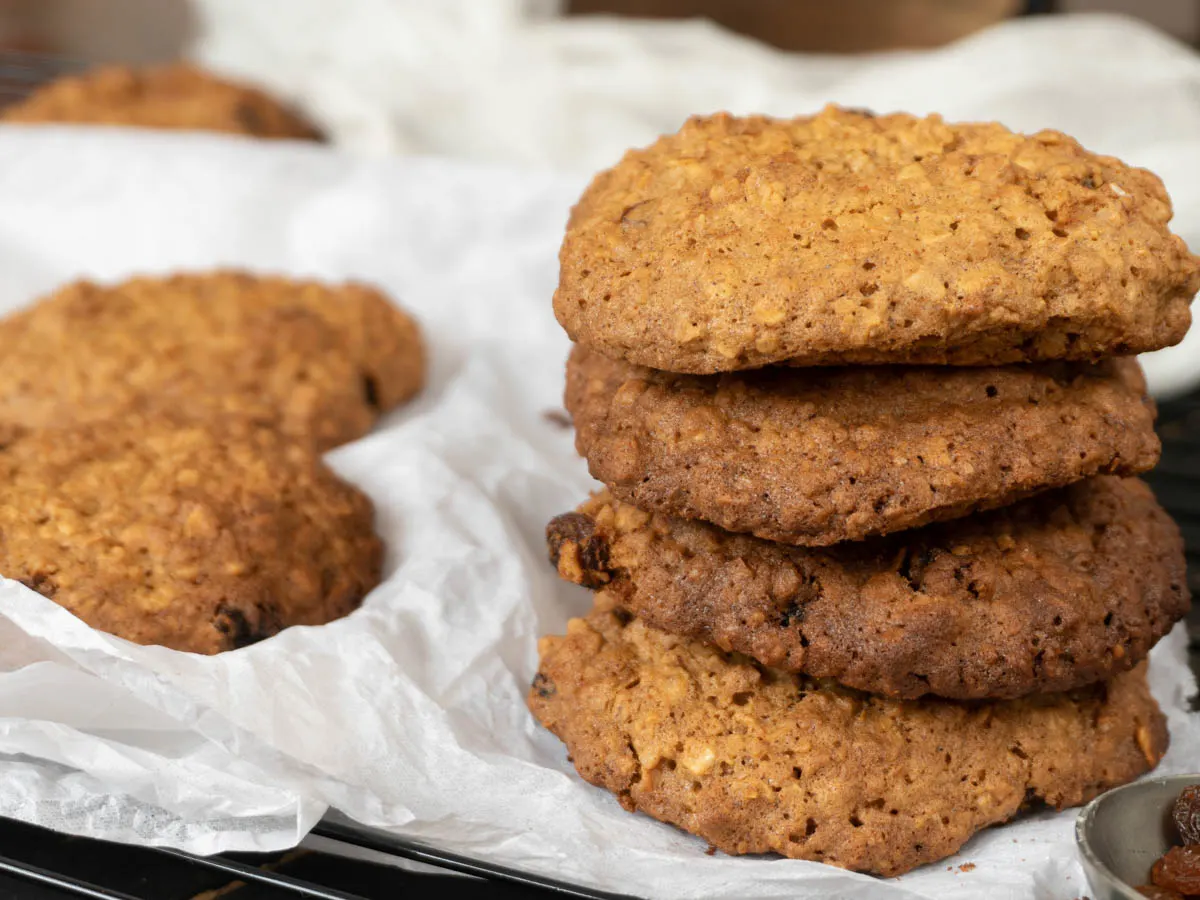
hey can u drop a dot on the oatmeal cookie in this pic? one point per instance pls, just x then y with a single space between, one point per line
819 456
1061 590
198 536
755 760
176 96
851 238
319 361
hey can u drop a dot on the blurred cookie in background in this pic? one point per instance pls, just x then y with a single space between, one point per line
176 96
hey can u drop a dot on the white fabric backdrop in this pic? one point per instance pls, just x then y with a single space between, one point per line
510 81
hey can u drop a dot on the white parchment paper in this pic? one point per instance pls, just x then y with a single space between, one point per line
409 713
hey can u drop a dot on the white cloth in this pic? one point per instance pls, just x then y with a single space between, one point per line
409 713
509 81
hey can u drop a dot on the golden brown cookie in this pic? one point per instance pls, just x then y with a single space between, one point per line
755 760
318 361
851 238
1062 590
818 456
201 537
176 96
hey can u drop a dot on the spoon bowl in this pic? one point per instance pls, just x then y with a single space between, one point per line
1123 832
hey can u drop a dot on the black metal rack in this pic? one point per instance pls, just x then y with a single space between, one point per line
43 865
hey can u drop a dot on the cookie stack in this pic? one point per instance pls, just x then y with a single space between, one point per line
872 572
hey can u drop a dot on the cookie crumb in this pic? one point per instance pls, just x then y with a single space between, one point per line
559 418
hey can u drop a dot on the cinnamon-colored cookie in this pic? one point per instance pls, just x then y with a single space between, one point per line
818 456
198 536
320 362
755 760
1061 590
850 238
176 96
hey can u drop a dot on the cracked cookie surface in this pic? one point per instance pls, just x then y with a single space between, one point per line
819 456
175 96
200 537
1061 590
318 361
850 238
755 760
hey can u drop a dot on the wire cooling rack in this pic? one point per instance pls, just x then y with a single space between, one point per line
41 865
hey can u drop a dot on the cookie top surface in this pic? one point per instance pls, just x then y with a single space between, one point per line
200 537
847 237
318 361
176 96
818 456
754 760
1061 590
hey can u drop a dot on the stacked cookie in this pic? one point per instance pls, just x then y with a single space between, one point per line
872 570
